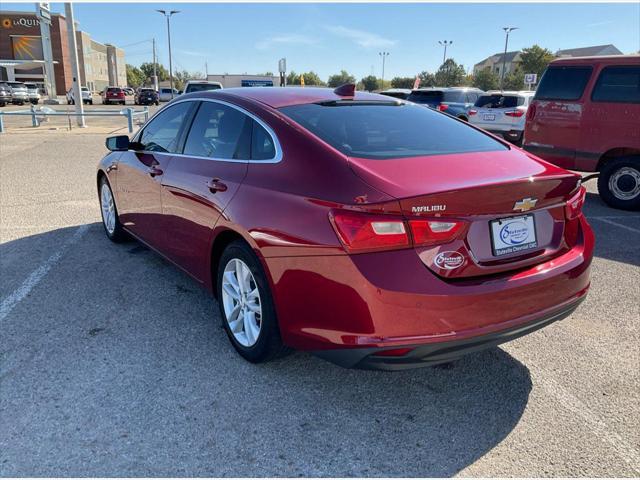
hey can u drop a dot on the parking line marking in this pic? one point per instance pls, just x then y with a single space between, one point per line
594 422
626 227
38 274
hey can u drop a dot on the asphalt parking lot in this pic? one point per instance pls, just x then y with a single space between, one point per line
113 363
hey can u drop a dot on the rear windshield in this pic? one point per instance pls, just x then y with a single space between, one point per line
147 90
381 130
114 90
84 89
563 83
17 85
429 97
499 101
201 87
402 95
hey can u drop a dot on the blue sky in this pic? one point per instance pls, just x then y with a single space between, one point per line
239 38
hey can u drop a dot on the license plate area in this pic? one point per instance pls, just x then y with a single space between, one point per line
513 235
489 116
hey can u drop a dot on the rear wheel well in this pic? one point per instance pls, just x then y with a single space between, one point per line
99 178
219 244
616 153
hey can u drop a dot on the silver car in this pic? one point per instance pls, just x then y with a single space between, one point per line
19 93
34 94
164 95
502 113
5 94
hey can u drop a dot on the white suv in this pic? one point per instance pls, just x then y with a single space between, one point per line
86 96
502 113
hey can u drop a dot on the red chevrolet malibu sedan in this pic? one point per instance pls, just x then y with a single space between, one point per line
370 231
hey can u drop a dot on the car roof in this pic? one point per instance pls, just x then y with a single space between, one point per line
608 59
443 89
523 93
277 97
396 90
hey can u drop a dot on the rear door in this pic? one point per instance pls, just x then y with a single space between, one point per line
612 118
141 170
554 120
202 180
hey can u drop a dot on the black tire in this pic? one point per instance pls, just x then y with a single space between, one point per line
118 235
627 171
269 345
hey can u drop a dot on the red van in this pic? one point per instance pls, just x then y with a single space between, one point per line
586 116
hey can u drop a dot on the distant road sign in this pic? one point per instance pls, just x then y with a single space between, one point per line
530 78
282 65
44 10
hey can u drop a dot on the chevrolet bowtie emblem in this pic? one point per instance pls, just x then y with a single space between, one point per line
525 204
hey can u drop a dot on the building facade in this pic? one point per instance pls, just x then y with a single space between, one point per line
243 80
21 54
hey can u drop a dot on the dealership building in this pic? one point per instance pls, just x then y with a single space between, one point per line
21 54
231 80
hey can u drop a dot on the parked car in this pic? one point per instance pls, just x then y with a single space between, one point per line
375 234
164 94
128 91
86 96
33 92
113 95
19 93
456 101
401 93
502 113
586 116
200 86
5 94
146 96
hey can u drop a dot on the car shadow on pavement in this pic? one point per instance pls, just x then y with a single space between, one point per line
115 364
617 231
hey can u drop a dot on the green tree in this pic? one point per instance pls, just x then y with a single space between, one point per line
450 74
402 82
535 59
340 79
486 80
514 80
310 78
427 79
135 77
370 83
147 70
181 77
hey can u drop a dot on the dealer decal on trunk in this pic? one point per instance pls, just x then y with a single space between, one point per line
449 260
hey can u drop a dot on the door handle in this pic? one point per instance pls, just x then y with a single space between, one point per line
154 171
215 185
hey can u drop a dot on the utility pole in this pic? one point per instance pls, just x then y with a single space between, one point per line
167 15
43 13
206 71
507 30
73 47
445 44
384 56
155 62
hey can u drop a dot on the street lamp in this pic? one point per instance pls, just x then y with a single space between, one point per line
445 44
384 55
167 15
507 30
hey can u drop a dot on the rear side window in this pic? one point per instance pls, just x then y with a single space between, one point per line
618 84
563 83
219 131
426 97
380 130
262 147
163 132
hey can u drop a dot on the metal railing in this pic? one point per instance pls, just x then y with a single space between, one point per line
40 114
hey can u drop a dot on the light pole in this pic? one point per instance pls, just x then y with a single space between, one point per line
167 15
384 56
445 44
507 30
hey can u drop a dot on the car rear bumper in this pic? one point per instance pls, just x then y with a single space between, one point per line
391 299
426 355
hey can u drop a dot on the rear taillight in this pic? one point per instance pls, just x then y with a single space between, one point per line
573 208
531 112
514 113
394 352
472 112
443 107
365 233
434 232
360 232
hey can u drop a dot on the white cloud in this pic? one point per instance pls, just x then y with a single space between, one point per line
285 39
360 37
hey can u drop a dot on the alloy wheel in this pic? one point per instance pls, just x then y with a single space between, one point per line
625 183
108 208
241 302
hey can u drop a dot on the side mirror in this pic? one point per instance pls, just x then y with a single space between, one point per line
119 143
